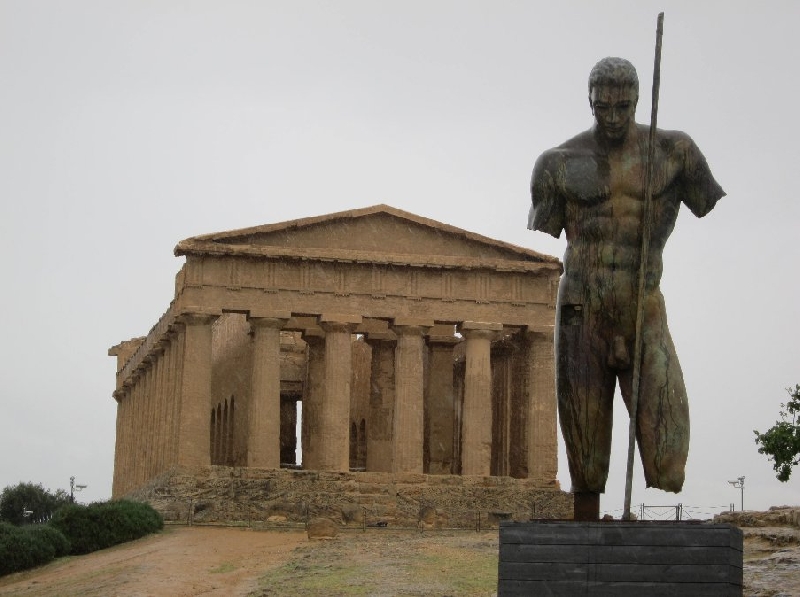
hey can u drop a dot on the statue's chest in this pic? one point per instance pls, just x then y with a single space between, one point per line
593 179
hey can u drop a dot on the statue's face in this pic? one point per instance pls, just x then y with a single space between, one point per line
614 109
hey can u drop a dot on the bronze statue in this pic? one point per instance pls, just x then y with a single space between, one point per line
592 187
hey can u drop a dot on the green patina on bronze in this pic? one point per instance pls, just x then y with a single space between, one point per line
593 187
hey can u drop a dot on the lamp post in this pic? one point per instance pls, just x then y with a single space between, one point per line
73 488
739 484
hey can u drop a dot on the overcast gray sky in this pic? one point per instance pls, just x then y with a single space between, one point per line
128 126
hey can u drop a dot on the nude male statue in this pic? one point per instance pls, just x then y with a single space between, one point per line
592 187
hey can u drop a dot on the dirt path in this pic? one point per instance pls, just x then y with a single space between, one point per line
180 562
186 562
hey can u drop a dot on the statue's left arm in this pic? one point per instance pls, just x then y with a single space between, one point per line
547 207
700 191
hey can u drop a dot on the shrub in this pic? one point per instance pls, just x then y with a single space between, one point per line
53 536
101 525
25 547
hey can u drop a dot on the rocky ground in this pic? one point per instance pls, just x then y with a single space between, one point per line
771 551
214 561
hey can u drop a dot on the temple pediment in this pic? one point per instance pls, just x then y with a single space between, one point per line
380 233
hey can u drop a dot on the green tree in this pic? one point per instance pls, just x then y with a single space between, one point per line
781 442
30 498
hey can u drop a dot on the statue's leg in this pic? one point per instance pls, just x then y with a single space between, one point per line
585 387
663 409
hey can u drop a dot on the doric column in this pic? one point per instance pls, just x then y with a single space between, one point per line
313 395
439 401
381 401
167 402
542 411
141 425
264 418
158 462
476 451
409 421
132 422
178 337
334 432
119 445
194 431
146 429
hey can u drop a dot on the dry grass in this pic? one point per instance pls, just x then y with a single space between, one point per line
383 562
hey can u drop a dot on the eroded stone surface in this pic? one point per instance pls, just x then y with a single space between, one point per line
353 316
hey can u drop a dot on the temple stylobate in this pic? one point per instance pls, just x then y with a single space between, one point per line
403 344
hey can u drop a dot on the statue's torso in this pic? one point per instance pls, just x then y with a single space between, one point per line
604 206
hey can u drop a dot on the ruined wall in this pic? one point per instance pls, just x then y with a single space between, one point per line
226 494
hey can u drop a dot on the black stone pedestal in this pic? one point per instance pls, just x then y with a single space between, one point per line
619 559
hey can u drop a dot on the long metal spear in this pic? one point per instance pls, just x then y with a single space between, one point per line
640 299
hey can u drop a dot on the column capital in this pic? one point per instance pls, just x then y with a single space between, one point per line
480 329
443 335
339 318
424 322
383 336
338 323
410 330
275 323
313 334
439 340
466 326
196 318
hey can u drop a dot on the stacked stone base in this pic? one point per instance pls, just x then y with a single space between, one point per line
232 495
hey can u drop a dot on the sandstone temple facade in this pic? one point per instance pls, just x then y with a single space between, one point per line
406 346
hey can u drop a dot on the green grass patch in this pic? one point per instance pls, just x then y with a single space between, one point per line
223 568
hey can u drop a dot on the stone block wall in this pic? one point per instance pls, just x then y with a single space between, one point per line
219 494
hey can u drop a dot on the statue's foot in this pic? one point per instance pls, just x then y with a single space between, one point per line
586 506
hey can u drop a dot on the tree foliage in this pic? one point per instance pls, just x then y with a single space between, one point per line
781 443
27 497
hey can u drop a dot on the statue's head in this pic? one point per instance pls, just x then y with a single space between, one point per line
613 95
614 72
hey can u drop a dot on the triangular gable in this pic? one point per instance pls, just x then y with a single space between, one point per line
380 231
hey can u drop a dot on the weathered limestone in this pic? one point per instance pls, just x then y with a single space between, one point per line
351 317
542 424
195 393
258 496
263 449
333 434
409 390
477 415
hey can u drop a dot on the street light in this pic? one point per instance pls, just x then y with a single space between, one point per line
739 484
73 488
